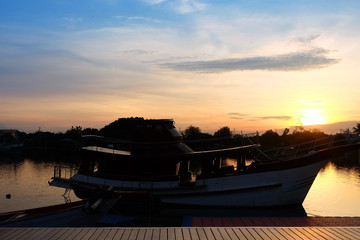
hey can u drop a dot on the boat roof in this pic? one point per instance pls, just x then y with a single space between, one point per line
188 154
223 151
106 150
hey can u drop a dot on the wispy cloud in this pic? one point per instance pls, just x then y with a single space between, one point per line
138 19
188 6
298 61
154 2
138 52
285 118
237 116
181 6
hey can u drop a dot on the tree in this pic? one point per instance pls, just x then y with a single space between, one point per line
192 133
356 129
90 131
270 139
286 132
223 132
74 133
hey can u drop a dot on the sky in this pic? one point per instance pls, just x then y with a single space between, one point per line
249 65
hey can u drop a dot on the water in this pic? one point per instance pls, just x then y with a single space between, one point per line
27 182
335 192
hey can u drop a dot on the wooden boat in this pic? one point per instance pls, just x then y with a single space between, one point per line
158 162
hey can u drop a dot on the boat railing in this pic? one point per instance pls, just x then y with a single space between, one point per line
220 143
109 145
64 172
306 148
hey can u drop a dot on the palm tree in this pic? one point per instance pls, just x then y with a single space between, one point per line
357 128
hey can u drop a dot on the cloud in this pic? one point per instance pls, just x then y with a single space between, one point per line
285 118
138 52
154 2
298 61
181 6
142 19
237 116
188 6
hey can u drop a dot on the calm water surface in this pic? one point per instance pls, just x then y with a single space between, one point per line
335 192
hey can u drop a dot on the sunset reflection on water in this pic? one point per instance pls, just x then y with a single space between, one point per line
335 192
27 182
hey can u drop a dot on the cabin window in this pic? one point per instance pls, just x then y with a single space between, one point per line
94 167
169 126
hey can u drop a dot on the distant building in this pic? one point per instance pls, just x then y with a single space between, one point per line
9 136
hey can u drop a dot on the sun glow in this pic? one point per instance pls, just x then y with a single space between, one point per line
312 116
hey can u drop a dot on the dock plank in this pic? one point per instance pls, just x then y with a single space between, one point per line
321 233
104 234
338 234
268 233
179 234
171 234
55 234
311 233
37 234
263 233
347 233
163 233
303 235
148 233
82 233
96 234
126 234
67 233
48 233
355 231
223 233
254 233
18 234
89 233
193 234
208 234
242 233
118 234
186 233
334 234
276 233
230 232
288 233
215 232
133 234
141 233
156 234
174 233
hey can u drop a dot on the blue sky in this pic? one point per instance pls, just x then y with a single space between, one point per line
251 65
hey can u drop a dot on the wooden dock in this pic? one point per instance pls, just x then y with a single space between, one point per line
178 233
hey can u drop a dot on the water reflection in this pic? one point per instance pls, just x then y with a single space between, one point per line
336 190
26 181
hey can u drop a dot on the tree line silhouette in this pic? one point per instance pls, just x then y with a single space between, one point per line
70 141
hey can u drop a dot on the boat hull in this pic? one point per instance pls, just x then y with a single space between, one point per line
259 189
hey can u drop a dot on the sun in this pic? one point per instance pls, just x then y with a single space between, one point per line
312 116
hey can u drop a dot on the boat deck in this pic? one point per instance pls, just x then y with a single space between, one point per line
183 233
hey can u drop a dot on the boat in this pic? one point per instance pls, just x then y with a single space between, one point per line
154 159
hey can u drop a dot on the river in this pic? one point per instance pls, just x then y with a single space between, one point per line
335 192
